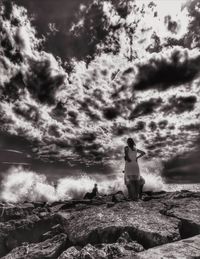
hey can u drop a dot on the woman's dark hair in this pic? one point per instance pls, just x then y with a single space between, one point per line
130 142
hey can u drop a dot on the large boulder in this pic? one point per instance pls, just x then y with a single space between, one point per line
187 210
50 248
14 232
104 225
183 249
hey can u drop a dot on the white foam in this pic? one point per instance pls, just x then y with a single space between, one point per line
20 184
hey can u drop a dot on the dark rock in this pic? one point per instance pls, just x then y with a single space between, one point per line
38 204
97 202
67 205
50 248
110 204
124 238
118 197
12 211
39 210
55 230
81 206
14 232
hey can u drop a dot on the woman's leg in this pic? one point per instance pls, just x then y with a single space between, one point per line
137 184
135 189
129 190
140 190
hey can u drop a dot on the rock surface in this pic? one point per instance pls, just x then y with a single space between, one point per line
162 225
106 225
183 249
50 248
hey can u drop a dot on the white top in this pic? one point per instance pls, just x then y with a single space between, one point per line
132 168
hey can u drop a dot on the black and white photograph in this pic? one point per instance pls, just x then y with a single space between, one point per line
100 129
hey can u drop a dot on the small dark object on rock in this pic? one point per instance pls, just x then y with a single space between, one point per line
93 194
110 204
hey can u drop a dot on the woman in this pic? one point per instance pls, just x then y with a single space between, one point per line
132 172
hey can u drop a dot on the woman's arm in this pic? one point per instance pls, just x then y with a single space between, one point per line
142 153
126 157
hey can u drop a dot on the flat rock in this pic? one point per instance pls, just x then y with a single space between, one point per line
183 249
188 211
104 225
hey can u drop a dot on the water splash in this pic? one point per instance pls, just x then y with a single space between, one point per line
20 184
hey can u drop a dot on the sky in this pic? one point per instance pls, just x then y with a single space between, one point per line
79 77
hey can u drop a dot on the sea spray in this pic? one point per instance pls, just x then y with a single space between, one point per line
20 184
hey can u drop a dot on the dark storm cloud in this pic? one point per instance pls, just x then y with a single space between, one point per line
38 80
162 124
191 127
180 104
35 74
145 108
123 8
152 125
120 130
73 117
59 112
111 113
183 168
171 25
13 89
161 72
140 125
41 83
63 16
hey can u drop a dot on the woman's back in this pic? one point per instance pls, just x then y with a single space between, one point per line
131 167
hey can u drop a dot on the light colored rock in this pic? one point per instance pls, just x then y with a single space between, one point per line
183 249
104 225
50 248
70 253
90 252
134 246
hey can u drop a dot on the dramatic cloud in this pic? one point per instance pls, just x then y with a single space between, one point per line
180 104
126 70
164 71
145 108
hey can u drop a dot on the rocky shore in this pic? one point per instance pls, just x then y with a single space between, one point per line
162 225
